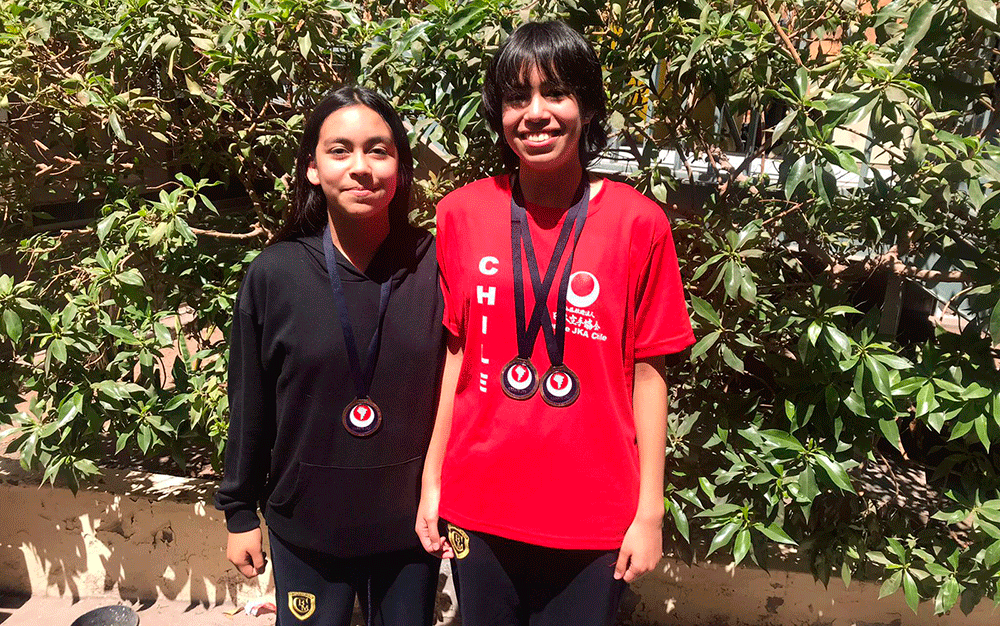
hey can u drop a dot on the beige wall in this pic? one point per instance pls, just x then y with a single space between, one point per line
142 536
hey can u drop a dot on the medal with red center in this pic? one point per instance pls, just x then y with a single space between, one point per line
361 416
519 378
560 386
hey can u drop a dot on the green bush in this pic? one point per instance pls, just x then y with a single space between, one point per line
802 382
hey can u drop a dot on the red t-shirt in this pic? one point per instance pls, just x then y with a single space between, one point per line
557 477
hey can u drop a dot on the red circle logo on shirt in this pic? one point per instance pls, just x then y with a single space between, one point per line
583 289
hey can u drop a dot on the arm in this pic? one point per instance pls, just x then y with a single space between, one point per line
642 547
430 490
248 450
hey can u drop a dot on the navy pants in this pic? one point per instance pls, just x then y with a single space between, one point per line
501 582
393 589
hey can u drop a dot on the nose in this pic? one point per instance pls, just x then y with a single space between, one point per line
536 107
359 163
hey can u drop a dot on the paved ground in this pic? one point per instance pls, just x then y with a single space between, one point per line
38 611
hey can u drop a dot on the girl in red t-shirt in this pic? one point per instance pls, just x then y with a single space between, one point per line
544 477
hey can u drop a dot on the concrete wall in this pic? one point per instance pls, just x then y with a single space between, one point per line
144 536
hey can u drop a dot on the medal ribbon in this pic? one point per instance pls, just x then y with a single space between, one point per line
362 377
527 333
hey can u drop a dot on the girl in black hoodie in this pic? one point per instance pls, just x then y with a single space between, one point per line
336 352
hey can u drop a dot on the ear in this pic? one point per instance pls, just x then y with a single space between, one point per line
311 172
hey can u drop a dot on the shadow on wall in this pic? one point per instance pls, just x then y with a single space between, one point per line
143 535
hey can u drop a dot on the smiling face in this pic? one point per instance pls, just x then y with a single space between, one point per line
355 163
542 123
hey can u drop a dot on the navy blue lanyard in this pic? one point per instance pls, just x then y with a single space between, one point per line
362 377
527 333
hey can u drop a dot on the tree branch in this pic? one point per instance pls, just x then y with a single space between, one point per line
781 33
257 231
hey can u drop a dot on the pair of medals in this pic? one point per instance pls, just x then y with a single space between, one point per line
361 417
519 379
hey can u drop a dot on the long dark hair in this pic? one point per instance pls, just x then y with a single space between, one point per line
308 212
562 56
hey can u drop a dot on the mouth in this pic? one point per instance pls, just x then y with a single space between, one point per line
539 137
360 192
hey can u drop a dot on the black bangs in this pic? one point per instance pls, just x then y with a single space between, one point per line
563 58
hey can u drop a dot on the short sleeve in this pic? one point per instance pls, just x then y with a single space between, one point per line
448 271
662 324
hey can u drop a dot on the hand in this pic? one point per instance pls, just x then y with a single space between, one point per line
427 524
244 550
641 549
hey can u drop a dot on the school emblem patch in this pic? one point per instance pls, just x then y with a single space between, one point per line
459 541
301 604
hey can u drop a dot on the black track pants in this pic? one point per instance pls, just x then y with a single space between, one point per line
393 589
501 582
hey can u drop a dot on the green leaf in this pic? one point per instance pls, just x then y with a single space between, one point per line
122 333
910 591
781 439
680 521
917 26
776 533
741 546
723 537
841 101
705 310
890 430
925 399
162 334
995 323
808 489
985 10
131 277
801 84
783 125
12 324
982 431
305 44
839 339
947 595
880 377
992 556
116 127
796 174
58 350
813 331
705 343
891 585
731 359
834 471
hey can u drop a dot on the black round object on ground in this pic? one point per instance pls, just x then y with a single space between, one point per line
116 615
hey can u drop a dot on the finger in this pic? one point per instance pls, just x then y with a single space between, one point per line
247 569
257 558
622 565
434 535
447 552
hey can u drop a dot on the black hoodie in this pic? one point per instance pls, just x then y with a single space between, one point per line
289 380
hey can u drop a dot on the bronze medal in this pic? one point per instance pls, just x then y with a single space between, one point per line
362 417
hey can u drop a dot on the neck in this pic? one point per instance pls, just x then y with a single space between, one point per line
555 189
358 240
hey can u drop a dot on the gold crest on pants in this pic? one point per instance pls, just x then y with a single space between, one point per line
459 541
301 604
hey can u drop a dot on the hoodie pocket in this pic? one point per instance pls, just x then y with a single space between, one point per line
372 508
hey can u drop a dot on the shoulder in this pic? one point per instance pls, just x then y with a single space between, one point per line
642 214
468 198
280 264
